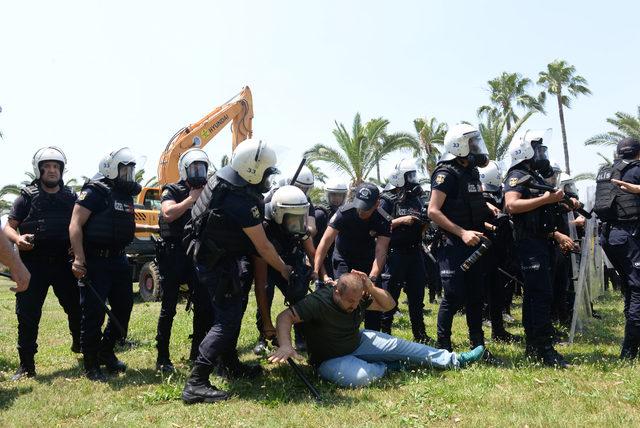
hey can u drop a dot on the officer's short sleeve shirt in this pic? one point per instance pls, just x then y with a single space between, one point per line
92 200
242 210
20 209
511 181
445 182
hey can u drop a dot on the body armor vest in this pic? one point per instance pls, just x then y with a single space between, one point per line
469 209
611 203
48 218
114 226
174 230
539 222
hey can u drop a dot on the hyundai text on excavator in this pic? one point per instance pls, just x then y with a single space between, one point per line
238 112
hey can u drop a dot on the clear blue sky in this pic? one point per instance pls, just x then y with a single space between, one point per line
92 76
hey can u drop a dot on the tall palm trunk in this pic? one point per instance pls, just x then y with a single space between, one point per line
564 133
378 169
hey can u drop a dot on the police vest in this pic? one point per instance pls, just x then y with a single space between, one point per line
173 231
115 225
49 216
213 228
468 210
612 203
403 235
539 222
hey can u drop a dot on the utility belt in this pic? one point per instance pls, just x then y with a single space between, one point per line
104 252
631 226
164 246
43 258
406 248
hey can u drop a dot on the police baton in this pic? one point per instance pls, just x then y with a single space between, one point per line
295 176
304 379
527 181
86 282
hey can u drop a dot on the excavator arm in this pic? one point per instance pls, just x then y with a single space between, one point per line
238 111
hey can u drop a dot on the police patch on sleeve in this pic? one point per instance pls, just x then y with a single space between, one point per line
439 178
513 181
255 212
82 195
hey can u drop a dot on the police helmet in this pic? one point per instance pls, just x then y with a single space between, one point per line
491 177
289 208
465 141
405 172
193 166
336 192
531 145
253 162
119 164
44 154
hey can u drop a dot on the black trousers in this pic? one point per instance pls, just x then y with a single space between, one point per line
228 301
406 267
45 272
177 268
535 263
461 289
111 279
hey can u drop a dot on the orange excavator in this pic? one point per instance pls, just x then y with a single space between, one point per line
238 112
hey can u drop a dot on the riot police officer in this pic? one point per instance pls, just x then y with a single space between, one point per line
362 232
498 260
226 224
102 225
286 227
533 227
39 225
618 204
175 266
405 261
458 208
336 194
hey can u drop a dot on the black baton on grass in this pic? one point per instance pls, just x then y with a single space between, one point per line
304 379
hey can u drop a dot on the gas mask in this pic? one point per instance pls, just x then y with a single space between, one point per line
540 159
125 181
267 178
478 154
197 174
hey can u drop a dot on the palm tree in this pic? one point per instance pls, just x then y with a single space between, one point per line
492 127
558 78
9 189
360 151
508 91
317 173
430 140
627 126
30 178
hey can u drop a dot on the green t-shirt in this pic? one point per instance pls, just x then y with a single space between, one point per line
329 331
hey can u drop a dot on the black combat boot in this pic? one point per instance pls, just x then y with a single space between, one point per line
107 358
198 389
27 366
550 357
444 343
92 369
505 337
487 356
75 344
261 347
630 343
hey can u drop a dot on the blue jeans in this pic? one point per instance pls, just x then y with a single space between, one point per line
369 362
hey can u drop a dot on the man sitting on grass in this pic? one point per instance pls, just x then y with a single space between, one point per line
339 350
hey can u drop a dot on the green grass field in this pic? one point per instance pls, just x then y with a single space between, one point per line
598 390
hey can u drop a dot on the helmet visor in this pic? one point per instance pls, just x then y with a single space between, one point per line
477 145
304 187
197 170
127 173
411 177
295 224
336 199
540 152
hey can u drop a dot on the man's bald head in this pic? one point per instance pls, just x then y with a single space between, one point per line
348 291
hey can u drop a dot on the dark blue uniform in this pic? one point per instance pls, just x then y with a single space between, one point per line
176 268
290 248
238 210
322 215
620 241
47 216
109 229
405 261
464 206
532 231
355 246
